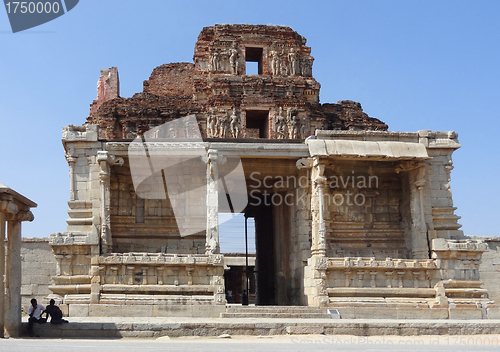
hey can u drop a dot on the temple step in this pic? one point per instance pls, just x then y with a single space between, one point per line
292 312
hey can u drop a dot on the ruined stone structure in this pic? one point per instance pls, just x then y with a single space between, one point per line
348 215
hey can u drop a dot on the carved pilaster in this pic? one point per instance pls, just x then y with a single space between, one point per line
144 274
317 206
212 234
159 274
68 258
189 272
388 278
71 162
417 179
59 258
130 274
104 181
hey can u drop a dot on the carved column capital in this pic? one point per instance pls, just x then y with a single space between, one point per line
8 207
70 159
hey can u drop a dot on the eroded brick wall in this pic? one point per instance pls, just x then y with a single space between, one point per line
171 79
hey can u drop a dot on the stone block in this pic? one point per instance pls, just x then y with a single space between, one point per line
493 313
305 330
208 311
104 310
26 290
423 313
465 313
78 310
137 310
40 279
137 334
171 310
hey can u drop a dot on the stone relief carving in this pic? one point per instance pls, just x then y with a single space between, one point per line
283 64
212 124
306 63
213 63
227 61
289 63
235 124
293 123
294 63
322 264
222 122
234 54
274 62
280 124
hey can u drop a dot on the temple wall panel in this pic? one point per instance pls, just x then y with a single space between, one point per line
147 225
364 211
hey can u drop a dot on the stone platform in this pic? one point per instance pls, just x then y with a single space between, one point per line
117 327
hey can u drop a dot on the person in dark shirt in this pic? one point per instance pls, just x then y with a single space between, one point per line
55 313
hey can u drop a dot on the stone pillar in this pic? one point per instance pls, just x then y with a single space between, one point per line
13 279
317 265
104 181
212 235
317 207
419 242
14 208
2 272
71 162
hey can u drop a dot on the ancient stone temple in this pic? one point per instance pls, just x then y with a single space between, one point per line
347 215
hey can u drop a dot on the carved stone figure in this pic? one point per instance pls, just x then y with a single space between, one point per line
306 63
275 62
222 122
294 123
172 132
212 123
214 61
235 124
293 60
280 124
234 54
283 65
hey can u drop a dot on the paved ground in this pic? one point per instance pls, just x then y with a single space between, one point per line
291 343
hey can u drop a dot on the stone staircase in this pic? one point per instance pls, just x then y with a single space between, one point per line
291 312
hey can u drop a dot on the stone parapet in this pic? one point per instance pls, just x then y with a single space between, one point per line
143 278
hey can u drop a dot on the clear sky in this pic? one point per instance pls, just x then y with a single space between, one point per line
413 64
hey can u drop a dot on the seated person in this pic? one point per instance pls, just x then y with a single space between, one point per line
55 313
35 315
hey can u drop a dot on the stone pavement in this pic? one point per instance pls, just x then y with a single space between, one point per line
289 343
113 327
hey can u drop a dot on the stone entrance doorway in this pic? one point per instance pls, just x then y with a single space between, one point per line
272 202
265 252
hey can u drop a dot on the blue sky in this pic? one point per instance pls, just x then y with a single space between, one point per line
413 64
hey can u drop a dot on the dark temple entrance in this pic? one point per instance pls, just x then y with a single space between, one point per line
264 243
